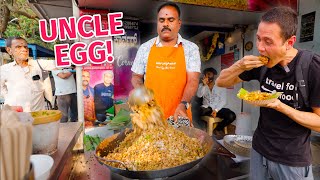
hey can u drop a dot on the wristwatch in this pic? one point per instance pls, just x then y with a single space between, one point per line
186 104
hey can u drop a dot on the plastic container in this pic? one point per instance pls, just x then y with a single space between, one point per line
45 131
42 166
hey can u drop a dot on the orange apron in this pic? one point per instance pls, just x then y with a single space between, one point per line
167 76
88 104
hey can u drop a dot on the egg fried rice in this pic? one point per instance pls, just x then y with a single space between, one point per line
156 148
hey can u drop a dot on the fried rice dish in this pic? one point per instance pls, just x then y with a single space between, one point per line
264 59
153 144
155 149
256 96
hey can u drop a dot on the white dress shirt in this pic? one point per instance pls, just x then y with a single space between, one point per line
19 89
216 98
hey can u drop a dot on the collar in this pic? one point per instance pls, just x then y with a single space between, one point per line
180 40
14 63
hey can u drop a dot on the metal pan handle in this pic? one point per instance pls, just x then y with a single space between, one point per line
116 161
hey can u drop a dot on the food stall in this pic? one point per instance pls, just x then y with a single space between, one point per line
198 26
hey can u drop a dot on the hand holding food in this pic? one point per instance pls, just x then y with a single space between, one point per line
275 104
264 59
249 62
258 98
180 111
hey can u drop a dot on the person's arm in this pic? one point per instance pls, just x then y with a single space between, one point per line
230 76
136 80
203 87
201 90
48 65
64 75
139 66
3 87
193 66
189 91
310 120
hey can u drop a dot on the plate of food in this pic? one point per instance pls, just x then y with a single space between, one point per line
243 141
258 98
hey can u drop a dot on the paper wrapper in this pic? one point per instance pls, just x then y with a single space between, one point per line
15 145
270 99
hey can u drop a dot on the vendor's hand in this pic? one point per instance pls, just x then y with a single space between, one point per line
180 111
249 62
205 80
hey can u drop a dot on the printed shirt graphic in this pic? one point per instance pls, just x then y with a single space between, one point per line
277 136
103 97
88 92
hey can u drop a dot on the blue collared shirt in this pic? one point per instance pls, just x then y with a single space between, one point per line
191 52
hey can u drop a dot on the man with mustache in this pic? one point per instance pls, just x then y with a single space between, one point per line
168 64
21 80
281 142
88 99
214 99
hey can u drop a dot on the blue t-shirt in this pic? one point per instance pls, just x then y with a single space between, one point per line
103 97
87 93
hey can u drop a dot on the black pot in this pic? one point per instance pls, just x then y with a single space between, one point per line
110 143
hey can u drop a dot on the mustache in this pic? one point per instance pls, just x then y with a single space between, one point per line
165 28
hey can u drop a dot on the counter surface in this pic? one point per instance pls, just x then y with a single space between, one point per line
68 136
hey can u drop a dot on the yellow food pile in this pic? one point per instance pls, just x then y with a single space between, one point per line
43 113
264 59
228 4
153 144
156 148
147 116
146 112
256 96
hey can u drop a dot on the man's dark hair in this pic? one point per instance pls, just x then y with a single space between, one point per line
285 17
10 39
172 4
205 71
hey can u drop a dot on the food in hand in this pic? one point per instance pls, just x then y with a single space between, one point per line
264 59
256 96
